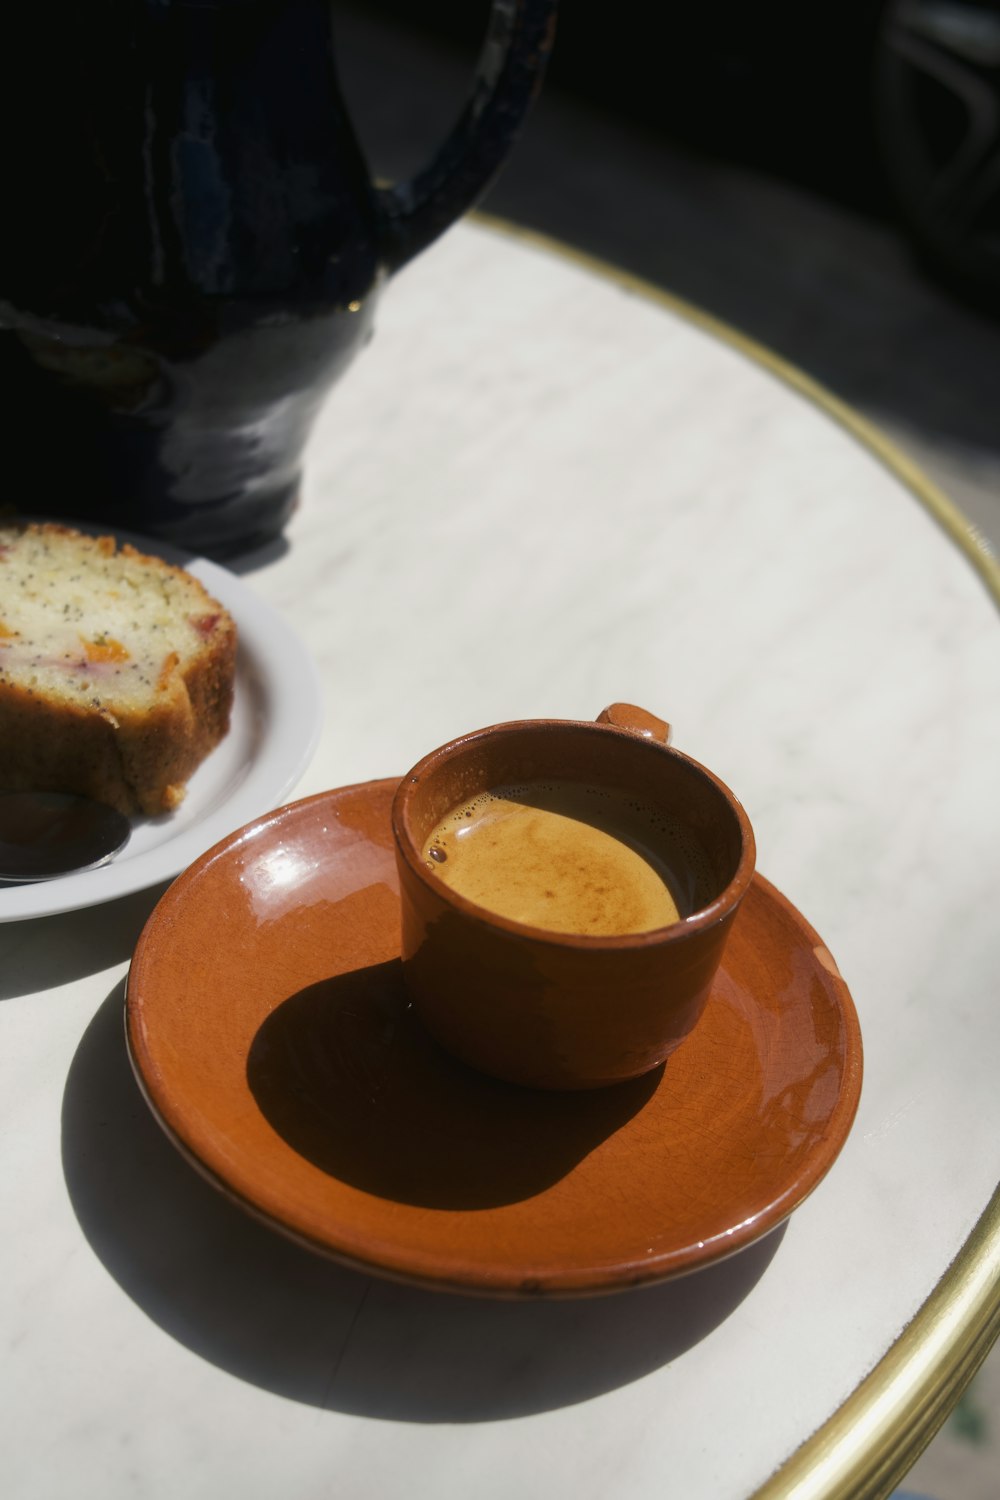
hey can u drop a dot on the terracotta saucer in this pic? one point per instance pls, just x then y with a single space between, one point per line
269 1030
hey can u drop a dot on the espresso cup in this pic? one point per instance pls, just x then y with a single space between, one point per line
637 855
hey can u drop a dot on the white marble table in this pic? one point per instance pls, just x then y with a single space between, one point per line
539 491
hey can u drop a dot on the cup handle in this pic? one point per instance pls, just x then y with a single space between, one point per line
507 79
637 721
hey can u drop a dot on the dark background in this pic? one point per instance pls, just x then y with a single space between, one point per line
874 103
777 83
753 159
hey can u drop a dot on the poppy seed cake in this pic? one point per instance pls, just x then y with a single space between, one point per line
116 669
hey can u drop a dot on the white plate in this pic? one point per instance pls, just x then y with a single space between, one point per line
276 721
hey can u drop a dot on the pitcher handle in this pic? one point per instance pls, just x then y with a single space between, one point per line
508 76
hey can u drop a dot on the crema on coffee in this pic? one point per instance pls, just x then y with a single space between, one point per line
562 856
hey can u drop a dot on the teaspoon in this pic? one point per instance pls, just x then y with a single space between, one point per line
47 834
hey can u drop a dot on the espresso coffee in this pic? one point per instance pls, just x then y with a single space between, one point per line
564 857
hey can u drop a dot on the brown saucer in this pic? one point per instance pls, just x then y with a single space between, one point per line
269 1031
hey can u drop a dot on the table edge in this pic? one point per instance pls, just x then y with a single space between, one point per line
866 1447
875 1436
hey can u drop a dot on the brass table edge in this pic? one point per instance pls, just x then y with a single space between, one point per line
875 1437
865 1448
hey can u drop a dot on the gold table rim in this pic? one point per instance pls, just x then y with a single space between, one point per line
868 1444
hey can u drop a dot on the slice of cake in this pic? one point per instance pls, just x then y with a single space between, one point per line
116 669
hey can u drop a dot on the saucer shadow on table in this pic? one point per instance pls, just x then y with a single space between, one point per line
344 1071
255 1304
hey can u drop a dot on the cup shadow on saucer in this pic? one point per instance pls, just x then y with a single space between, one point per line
347 1075
271 1313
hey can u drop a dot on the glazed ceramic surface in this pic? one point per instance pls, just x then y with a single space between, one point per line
555 1010
587 497
270 1029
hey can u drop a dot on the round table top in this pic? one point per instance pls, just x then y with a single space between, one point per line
540 490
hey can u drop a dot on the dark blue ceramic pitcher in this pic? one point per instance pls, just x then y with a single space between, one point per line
192 248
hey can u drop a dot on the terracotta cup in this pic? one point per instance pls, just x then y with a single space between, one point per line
557 1010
